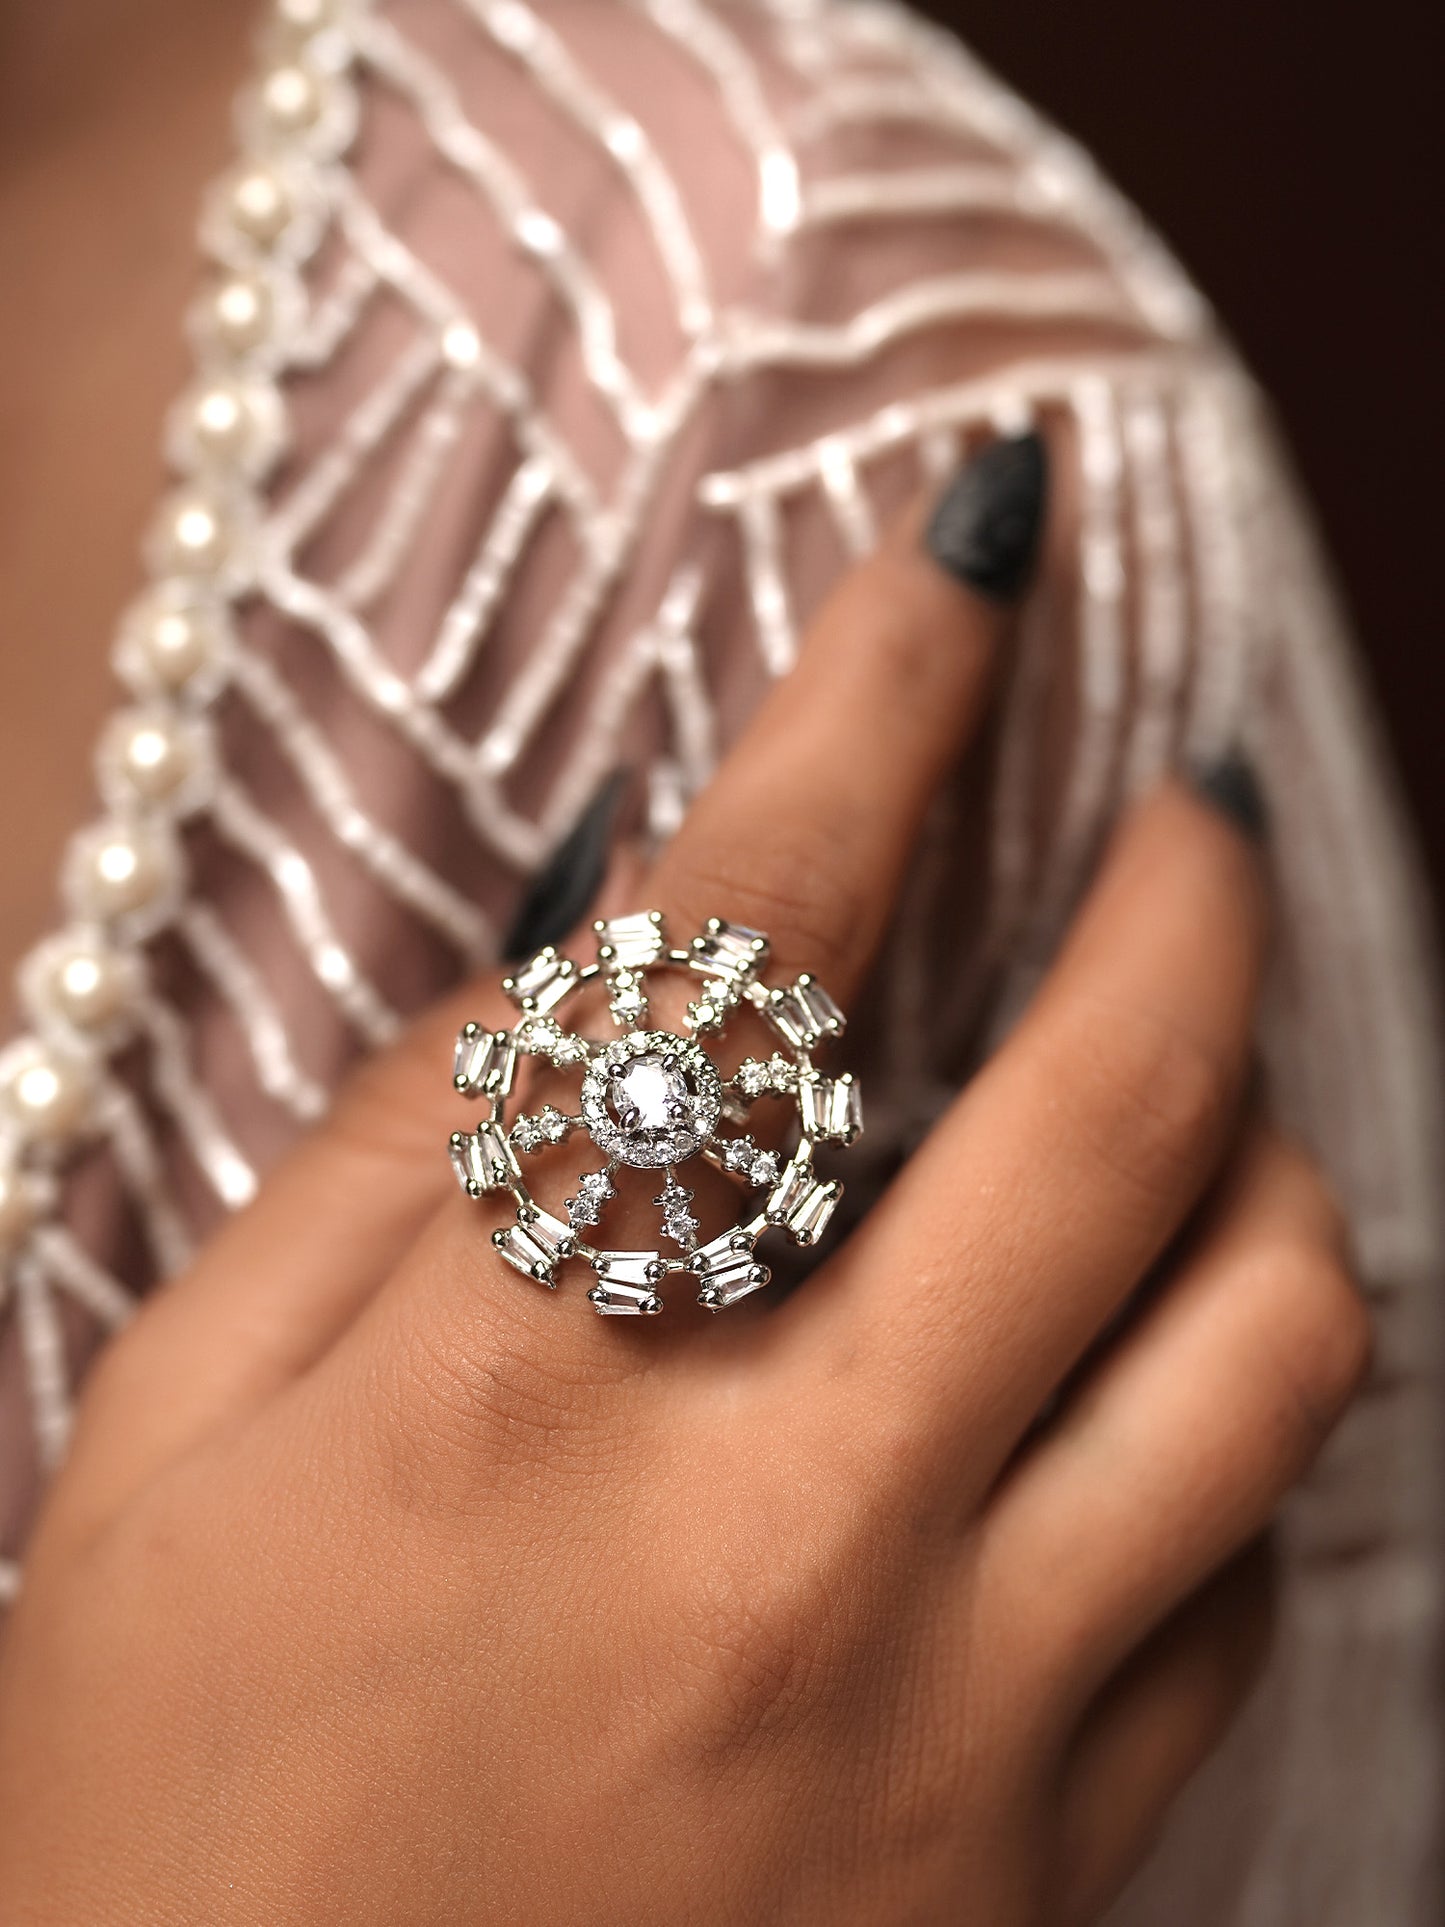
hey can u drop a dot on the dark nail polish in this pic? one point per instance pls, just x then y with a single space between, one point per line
986 528
561 893
1231 787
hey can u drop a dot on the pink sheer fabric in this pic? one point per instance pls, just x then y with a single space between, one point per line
553 359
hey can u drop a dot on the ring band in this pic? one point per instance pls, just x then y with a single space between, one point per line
653 1100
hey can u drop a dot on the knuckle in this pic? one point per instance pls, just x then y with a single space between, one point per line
1323 1342
757 1638
1150 1097
1311 1195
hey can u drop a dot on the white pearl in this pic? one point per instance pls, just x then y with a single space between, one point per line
241 313
290 100
175 644
45 1096
222 424
90 986
18 1208
193 537
260 206
117 870
303 17
150 752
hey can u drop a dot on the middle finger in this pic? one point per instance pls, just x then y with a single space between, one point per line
1042 1199
807 830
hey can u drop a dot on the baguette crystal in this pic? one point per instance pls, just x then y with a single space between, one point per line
483 1160
727 1270
627 1283
801 1202
485 1062
804 1015
729 951
542 984
527 1253
631 943
832 1108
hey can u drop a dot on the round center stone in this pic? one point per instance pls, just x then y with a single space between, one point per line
649 1094
651 1099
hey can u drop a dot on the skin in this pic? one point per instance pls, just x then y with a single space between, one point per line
134 95
381 1586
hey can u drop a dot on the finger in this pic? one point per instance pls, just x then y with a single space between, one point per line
1179 1446
805 832
807 829
1041 1200
277 1284
1152 1729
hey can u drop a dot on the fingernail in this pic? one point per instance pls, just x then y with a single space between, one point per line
561 893
986 528
1231 787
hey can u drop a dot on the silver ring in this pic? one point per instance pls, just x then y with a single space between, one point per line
653 1100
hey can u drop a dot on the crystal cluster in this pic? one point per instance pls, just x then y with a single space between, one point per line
545 1037
593 1193
763 1077
678 1223
549 1126
743 1158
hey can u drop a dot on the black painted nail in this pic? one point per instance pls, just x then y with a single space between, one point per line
988 522
561 893
1231 787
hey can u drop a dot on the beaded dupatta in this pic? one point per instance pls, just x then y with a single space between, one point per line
551 360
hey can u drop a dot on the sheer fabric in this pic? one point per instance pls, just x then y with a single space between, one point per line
552 360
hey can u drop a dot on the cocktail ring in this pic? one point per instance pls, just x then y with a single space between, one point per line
652 1100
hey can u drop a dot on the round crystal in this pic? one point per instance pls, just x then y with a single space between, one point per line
649 1094
651 1099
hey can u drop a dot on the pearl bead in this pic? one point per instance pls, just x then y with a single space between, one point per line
117 869
44 1095
222 424
260 206
90 986
151 753
241 313
290 100
175 643
193 537
18 1208
302 17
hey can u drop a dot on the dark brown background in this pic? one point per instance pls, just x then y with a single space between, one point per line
1291 155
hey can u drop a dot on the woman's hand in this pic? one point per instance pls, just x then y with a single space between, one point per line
382 1587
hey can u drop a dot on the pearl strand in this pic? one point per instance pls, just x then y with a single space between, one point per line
124 877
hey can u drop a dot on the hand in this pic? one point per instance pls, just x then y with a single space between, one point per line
383 1587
